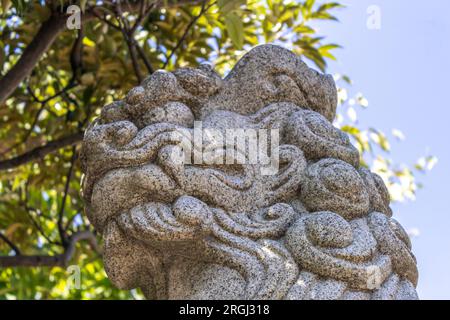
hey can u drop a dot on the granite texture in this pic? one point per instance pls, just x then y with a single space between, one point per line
320 227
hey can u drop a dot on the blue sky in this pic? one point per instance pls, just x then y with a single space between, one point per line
403 71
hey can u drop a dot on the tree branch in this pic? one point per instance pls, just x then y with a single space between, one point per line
144 12
10 244
42 151
127 35
147 63
186 32
61 260
132 51
43 103
61 229
37 224
45 37
30 261
31 55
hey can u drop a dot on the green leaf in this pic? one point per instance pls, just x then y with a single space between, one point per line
226 6
351 130
83 5
347 79
328 47
325 50
331 5
380 138
323 16
302 29
6 4
88 42
235 29
309 4
19 5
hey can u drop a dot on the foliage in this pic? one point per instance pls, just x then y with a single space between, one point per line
40 203
375 146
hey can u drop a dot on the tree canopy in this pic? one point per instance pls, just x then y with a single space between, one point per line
54 79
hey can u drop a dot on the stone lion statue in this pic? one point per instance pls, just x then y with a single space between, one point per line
318 227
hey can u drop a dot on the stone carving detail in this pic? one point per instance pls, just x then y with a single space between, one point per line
319 227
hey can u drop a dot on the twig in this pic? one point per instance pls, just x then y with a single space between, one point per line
188 28
144 12
28 132
37 224
10 244
103 18
61 229
125 29
70 220
143 56
72 84
134 60
45 37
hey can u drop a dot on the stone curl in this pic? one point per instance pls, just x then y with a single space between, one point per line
318 138
334 185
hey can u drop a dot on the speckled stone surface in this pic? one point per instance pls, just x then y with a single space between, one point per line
319 228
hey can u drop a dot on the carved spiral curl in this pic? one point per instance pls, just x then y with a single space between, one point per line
333 185
318 138
242 242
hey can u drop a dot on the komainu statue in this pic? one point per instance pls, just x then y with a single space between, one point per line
187 214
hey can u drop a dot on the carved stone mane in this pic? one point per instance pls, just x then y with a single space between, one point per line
319 228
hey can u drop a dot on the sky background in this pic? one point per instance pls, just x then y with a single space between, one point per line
403 70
